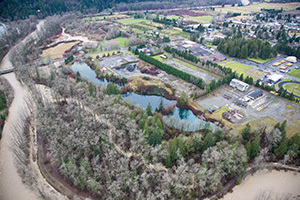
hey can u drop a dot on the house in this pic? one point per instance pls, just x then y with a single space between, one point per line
240 85
256 94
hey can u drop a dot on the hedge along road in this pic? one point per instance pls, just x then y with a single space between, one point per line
11 185
285 82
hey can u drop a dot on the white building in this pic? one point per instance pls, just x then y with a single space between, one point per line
292 59
240 85
274 78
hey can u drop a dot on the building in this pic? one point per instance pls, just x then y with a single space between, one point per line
217 57
292 59
274 78
240 85
240 102
256 94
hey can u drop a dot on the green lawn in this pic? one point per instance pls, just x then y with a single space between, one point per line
292 87
201 19
295 73
218 113
239 68
131 21
256 72
157 57
123 41
259 60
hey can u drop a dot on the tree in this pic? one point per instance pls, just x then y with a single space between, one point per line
112 88
246 132
161 106
149 109
78 77
183 100
207 142
244 53
154 139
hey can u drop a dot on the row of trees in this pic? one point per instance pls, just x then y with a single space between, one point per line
176 72
243 48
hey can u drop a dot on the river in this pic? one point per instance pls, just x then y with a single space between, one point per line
182 116
276 184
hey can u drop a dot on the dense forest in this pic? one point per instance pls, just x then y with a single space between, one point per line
18 9
243 48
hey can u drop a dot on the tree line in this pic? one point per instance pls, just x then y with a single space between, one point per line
176 72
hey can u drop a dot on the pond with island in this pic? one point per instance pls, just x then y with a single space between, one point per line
180 117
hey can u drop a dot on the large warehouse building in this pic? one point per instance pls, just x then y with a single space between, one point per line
240 85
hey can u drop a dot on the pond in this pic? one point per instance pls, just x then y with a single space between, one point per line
88 73
182 117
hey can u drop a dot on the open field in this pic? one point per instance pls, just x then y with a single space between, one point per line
259 60
58 51
256 7
201 19
295 73
123 42
241 69
157 57
292 88
218 113
131 21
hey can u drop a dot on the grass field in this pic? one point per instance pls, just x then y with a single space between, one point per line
295 73
123 41
256 72
239 68
218 113
259 60
105 17
131 21
157 57
201 19
292 87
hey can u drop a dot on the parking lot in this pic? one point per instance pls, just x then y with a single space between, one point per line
265 106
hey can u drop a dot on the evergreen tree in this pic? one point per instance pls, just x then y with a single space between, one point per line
149 109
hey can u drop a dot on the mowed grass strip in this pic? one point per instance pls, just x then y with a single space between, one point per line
259 60
295 73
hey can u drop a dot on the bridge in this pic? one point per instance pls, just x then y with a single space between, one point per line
6 71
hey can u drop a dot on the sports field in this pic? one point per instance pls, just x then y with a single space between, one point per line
241 69
295 73
292 88
200 19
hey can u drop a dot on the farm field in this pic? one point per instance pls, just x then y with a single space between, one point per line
295 73
201 19
58 51
256 7
131 21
